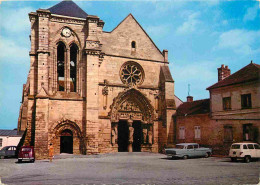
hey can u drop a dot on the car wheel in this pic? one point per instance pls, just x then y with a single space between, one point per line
233 159
19 160
32 160
2 157
247 159
185 157
207 155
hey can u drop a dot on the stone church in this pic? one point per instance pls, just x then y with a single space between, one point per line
91 91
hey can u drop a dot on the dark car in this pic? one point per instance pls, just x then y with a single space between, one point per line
8 151
26 153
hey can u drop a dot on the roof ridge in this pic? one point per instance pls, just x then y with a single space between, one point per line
68 8
236 80
197 100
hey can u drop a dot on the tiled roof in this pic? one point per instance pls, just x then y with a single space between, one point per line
251 72
194 107
10 133
68 8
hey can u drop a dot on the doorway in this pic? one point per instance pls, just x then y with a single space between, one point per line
123 132
66 142
138 136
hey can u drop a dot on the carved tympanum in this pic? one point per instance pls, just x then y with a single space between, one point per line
131 104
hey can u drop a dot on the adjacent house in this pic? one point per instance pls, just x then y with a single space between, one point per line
231 114
9 138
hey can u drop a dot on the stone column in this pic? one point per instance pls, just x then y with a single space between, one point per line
131 135
145 135
67 71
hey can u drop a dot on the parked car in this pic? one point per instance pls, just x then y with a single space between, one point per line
26 153
245 151
8 151
188 150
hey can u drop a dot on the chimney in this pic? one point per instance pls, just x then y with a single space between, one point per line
223 72
165 54
189 98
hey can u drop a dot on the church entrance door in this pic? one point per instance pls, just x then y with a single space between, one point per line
66 142
137 136
123 132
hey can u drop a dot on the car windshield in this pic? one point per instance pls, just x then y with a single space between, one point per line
235 146
4 148
26 149
180 146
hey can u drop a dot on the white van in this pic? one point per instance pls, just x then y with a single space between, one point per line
245 151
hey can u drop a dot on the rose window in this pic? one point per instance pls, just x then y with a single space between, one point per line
132 73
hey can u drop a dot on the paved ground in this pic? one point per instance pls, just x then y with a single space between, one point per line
129 168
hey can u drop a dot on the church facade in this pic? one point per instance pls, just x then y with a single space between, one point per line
90 91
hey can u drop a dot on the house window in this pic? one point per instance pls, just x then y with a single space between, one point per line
248 132
1 142
226 103
246 101
197 132
228 133
182 133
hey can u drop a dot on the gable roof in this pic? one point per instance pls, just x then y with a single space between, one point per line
251 72
194 107
68 8
130 15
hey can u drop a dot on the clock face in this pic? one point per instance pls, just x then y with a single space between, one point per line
66 32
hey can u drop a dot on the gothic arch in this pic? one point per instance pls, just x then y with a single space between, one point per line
61 41
132 104
67 124
73 38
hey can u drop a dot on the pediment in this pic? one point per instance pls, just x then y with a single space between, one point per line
118 41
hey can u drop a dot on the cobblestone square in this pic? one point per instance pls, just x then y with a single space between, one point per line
129 168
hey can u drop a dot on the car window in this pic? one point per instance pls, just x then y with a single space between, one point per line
256 146
196 146
180 146
190 147
244 147
26 149
10 148
250 146
235 146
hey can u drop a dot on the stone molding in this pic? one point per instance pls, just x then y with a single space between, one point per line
133 58
43 13
67 124
126 86
67 19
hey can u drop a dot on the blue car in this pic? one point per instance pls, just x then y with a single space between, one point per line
8 151
188 150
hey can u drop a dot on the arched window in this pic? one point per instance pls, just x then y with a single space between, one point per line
73 67
60 66
133 45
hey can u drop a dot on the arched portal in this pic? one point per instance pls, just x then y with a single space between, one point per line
66 142
67 138
132 117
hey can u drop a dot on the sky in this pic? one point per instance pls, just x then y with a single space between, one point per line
199 35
